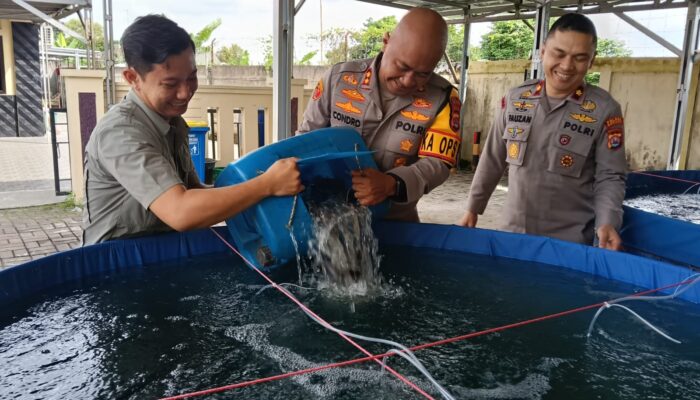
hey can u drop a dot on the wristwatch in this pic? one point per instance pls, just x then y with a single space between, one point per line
400 191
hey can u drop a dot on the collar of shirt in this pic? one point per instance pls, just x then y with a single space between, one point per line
161 123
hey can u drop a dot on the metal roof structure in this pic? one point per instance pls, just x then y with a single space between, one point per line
24 10
505 10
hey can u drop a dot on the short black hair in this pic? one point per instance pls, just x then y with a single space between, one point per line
575 22
151 39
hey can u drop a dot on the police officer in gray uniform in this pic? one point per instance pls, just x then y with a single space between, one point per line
139 176
563 143
403 111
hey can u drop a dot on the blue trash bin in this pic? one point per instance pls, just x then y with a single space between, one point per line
198 144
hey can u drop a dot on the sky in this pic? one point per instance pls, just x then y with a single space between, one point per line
246 22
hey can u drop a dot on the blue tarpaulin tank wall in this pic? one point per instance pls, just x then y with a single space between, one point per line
133 254
656 235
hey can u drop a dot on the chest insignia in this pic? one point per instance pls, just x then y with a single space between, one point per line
414 115
513 150
588 106
353 94
566 161
583 118
406 145
523 106
515 132
420 102
348 107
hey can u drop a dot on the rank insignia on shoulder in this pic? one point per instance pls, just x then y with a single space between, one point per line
583 118
414 115
513 150
566 161
526 94
318 91
538 89
588 106
349 107
353 94
420 102
350 79
367 79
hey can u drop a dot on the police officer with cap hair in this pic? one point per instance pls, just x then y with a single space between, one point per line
562 141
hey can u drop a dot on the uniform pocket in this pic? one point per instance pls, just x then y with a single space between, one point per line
569 154
401 149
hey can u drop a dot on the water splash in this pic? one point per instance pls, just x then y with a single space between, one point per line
344 253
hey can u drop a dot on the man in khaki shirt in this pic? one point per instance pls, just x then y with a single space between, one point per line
562 141
404 112
139 176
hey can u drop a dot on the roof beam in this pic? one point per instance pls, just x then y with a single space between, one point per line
658 39
49 20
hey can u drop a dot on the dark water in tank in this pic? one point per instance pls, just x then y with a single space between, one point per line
203 323
684 207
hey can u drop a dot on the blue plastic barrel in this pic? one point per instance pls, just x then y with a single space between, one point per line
262 233
197 139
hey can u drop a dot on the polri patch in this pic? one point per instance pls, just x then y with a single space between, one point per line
615 139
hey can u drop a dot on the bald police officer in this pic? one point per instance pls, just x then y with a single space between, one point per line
403 111
563 143
139 176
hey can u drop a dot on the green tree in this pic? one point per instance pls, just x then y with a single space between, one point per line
607 48
202 37
370 39
337 43
266 44
612 48
233 55
306 59
507 40
62 40
455 40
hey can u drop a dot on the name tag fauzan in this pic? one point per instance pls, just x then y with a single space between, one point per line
520 118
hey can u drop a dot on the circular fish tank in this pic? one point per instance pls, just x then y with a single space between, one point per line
490 315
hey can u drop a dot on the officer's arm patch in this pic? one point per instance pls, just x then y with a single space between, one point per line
440 140
318 90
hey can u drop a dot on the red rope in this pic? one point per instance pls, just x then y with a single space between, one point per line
377 357
307 310
414 348
666 177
